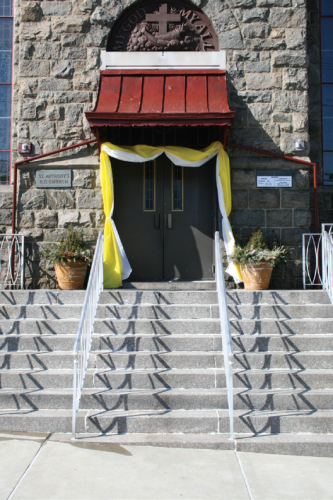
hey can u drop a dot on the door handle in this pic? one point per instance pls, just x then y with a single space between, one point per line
157 223
168 221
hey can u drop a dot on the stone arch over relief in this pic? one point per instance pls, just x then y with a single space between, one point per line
162 26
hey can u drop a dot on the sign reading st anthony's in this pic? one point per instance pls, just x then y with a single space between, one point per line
53 178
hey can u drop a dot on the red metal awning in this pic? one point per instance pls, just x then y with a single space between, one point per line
162 97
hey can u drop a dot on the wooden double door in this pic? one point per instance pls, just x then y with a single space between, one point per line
166 217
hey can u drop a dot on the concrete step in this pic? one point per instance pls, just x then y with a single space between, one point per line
29 420
235 298
123 399
135 298
123 327
53 311
204 421
130 361
316 445
36 360
167 379
213 342
41 297
200 311
41 379
277 297
158 311
170 285
203 326
272 326
283 379
163 421
283 360
168 399
283 312
31 326
39 343
203 360
283 342
185 342
162 311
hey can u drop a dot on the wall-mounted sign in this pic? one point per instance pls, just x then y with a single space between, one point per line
53 178
273 178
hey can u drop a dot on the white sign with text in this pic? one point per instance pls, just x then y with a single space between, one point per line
284 181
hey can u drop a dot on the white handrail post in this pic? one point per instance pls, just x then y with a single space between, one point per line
228 354
74 398
86 328
22 262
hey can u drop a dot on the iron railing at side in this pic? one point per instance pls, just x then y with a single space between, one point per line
317 250
86 328
311 260
12 251
228 353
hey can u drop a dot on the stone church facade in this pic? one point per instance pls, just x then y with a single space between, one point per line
273 74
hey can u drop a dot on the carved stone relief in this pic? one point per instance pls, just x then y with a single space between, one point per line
163 26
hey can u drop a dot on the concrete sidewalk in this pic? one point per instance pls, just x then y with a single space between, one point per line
33 467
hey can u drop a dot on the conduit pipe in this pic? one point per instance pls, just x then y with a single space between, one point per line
295 160
27 160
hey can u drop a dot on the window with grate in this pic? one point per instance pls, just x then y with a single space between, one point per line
6 52
326 24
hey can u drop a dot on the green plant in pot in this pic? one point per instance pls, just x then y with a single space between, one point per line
257 259
71 258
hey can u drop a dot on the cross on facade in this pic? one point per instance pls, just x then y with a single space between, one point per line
163 18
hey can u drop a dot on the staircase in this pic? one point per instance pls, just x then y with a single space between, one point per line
156 373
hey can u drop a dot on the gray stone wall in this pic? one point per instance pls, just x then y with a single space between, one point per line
57 50
284 213
45 214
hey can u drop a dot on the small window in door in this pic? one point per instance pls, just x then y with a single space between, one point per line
177 182
149 186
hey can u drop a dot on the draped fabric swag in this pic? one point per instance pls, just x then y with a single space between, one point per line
116 265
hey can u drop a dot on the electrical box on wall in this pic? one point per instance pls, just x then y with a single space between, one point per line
298 145
24 148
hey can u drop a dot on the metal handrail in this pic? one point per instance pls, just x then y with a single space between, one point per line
11 245
228 352
327 264
86 327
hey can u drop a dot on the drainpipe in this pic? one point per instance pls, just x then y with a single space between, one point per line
295 160
27 160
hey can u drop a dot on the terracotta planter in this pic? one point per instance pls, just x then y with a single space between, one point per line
256 276
71 276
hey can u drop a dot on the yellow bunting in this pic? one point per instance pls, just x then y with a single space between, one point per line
112 255
111 258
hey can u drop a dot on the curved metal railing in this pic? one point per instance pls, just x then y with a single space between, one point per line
86 327
318 259
228 352
12 261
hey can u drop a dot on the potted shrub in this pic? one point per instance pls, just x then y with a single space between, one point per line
71 257
257 259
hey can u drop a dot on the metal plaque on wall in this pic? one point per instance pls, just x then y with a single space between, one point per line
53 178
274 178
